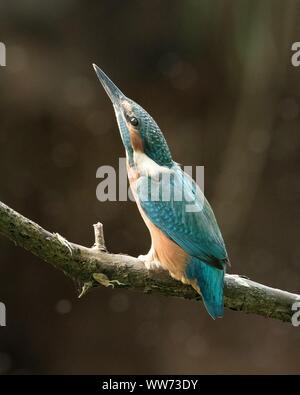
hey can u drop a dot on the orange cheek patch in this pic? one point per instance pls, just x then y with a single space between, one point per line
136 140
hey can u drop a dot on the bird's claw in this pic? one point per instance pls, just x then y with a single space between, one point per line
149 262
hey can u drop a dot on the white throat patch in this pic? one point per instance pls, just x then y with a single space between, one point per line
146 166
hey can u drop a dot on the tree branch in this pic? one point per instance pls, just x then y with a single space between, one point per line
90 267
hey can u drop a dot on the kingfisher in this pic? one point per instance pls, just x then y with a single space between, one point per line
185 236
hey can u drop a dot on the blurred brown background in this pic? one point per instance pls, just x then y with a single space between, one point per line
217 77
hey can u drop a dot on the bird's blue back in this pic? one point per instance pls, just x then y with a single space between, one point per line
196 231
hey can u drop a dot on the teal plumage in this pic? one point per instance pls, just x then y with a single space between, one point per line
211 283
185 225
196 232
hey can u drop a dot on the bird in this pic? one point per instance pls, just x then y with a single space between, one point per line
185 237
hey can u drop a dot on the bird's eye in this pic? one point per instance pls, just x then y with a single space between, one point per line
133 121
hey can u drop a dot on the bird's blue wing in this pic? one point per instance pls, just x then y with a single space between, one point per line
189 221
185 218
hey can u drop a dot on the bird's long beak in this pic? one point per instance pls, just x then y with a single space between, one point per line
111 89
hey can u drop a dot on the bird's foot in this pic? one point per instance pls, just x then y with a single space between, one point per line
149 261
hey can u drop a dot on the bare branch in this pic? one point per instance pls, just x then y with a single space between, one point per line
90 267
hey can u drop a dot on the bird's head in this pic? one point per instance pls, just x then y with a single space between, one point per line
139 131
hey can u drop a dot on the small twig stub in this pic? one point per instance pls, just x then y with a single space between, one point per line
99 237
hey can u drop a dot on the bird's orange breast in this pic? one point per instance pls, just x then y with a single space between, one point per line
171 257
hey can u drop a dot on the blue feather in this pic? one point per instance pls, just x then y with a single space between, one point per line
196 232
211 283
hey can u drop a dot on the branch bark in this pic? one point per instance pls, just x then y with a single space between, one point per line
91 267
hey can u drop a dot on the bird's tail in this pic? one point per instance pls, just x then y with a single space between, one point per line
210 282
